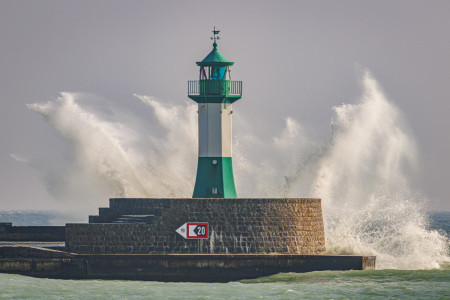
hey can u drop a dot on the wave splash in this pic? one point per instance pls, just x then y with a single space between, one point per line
115 154
362 174
369 206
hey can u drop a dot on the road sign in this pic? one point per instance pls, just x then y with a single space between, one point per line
193 230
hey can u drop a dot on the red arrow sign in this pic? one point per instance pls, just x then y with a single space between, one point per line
191 230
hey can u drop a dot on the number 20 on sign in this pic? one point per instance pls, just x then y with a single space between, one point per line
193 230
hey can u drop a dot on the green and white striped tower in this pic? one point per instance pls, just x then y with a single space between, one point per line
214 92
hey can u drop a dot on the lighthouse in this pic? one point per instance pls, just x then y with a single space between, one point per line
215 93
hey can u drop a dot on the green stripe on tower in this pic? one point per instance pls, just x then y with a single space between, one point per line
214 178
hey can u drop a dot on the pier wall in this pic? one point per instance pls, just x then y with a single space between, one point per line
174 267
236 226
31 233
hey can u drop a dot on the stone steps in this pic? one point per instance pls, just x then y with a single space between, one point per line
144 219
132 215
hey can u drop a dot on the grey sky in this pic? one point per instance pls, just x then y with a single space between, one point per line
296 58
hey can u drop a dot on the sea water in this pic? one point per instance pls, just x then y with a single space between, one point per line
383 284
362 174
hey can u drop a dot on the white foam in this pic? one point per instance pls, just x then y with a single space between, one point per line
114 157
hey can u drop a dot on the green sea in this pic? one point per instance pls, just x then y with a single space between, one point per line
422 283
380 284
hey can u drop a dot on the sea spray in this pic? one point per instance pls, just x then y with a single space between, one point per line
368 205
280 167
361 174
113 156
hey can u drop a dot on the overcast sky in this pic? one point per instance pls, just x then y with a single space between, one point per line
296 58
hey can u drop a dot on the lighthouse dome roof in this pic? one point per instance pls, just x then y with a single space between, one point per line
215 59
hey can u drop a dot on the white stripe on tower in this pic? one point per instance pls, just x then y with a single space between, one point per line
226 129
214 128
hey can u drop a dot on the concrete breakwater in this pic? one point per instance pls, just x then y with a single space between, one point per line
139 239
40 262
236 226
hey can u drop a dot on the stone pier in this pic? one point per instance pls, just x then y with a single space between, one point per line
236 226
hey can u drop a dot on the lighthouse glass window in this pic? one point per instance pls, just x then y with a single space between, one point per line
203 75
217 73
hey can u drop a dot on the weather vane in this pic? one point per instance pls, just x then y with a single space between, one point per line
215 32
